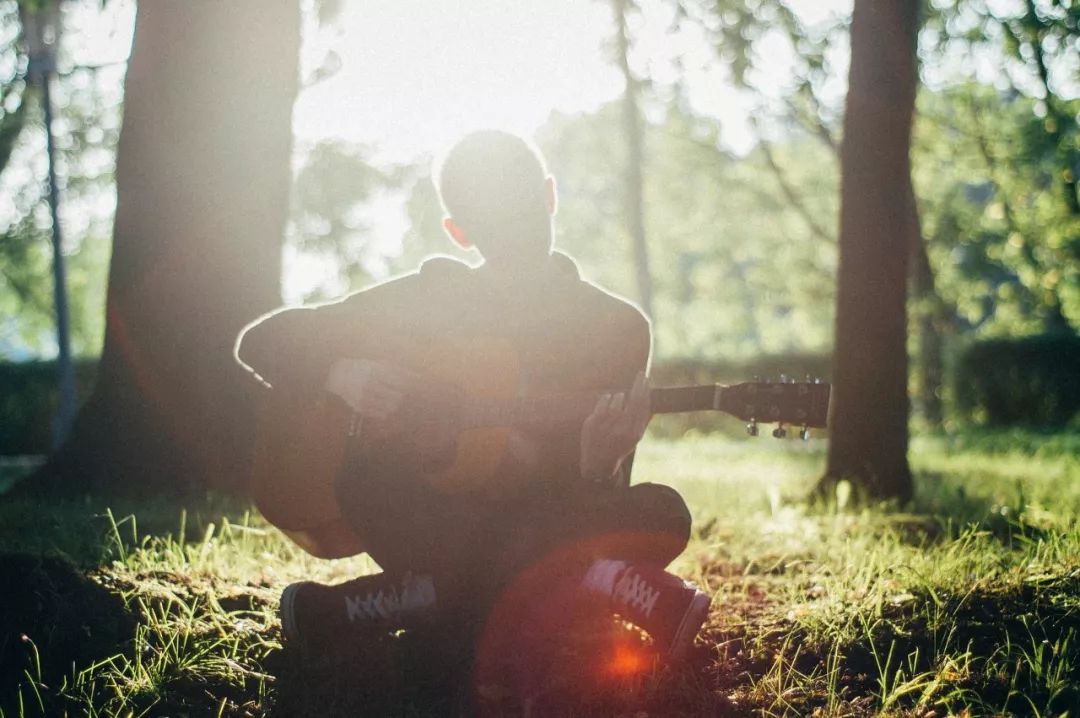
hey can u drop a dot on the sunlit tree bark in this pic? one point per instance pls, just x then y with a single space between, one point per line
202 195
869 431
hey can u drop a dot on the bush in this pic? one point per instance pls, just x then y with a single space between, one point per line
28 393
1033 381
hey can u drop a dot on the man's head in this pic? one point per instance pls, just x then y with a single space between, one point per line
498 197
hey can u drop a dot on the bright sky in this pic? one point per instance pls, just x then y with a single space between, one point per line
417 74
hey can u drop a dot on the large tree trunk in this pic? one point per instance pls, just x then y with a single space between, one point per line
202 195
633 190
869 431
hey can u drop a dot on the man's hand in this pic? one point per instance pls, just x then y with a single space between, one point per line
373 389
614 428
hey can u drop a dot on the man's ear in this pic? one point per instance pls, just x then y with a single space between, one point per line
456 233
552 195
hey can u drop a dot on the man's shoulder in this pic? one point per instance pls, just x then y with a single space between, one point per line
611 309
614 324
434 271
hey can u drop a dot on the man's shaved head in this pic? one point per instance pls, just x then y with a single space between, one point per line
494 187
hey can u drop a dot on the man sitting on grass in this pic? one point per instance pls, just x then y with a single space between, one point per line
561 508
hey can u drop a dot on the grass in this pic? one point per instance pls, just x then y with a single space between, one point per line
965 603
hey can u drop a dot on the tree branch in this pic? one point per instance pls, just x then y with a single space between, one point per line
794 198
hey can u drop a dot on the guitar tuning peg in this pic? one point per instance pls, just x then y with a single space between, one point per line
779 432
783 378
752 428
804 433
817 380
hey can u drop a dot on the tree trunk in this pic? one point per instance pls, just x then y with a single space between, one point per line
929 317
869 431
634 203
203 172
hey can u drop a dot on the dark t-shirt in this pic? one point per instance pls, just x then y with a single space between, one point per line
568 335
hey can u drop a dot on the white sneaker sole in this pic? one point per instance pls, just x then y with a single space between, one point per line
691 623
287 609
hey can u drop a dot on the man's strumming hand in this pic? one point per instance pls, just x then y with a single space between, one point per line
373 389
614 428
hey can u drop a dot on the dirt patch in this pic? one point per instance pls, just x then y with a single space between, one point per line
52 616
587 667
414 673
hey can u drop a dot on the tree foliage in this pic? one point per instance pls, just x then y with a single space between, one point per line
331 195
1006 246
742 274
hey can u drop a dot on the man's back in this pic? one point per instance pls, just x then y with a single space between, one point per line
556 333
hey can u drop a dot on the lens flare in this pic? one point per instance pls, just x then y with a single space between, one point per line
627 661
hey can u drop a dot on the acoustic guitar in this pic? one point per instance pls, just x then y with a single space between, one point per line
454 434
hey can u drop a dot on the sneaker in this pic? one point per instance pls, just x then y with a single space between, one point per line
318 614
669 609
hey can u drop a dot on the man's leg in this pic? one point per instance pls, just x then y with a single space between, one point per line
425 542
642 523
411 527
607 549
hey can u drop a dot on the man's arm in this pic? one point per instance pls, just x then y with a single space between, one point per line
310 350
292 349
618 421
612 432
373 389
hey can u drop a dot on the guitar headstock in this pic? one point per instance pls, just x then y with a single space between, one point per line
804 404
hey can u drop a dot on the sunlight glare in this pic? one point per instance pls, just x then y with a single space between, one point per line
416 75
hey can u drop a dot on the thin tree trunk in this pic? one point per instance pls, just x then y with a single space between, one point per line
869 431
66 404
202 194
929 317
634 203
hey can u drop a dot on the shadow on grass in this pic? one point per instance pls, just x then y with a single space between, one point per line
53 617
596 668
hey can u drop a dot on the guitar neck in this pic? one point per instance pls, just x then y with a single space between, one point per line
678 399
562 410
799 403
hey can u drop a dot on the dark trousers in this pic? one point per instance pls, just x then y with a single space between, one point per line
474 546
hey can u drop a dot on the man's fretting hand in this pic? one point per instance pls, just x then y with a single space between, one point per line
614 428
373 389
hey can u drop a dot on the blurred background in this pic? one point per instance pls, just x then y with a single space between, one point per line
696 147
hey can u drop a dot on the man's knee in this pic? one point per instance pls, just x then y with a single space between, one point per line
663 510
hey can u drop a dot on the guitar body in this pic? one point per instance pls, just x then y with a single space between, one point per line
306 446
427 439
303 446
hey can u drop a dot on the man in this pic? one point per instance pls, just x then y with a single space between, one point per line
560 498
